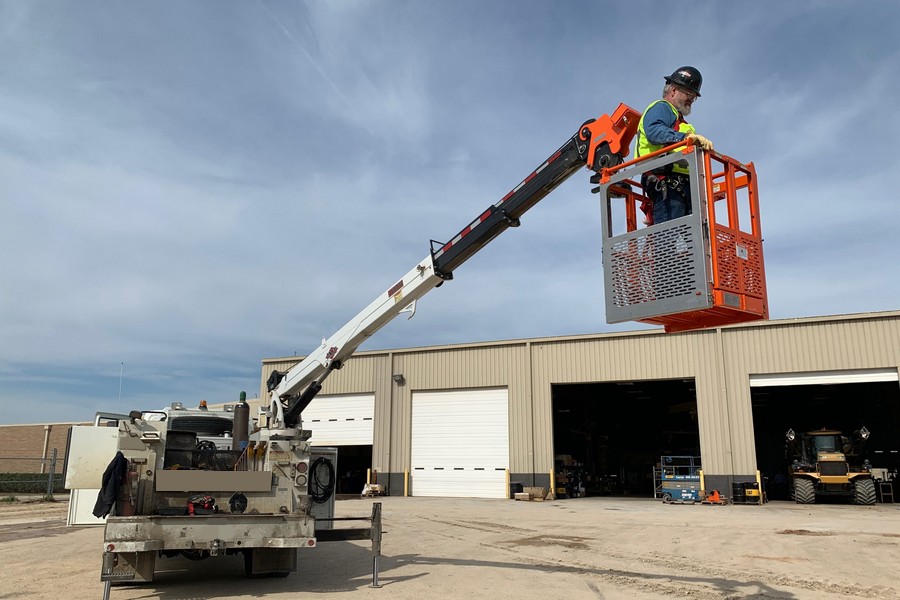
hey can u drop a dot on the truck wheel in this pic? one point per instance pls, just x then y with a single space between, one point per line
804 491
864 491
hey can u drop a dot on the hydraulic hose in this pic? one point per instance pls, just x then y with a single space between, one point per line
321 480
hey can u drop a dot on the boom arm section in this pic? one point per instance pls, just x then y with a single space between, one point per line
598 144
309 374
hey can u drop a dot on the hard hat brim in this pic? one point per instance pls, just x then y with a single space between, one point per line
669 79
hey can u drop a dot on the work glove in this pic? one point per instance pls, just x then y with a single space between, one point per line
699 140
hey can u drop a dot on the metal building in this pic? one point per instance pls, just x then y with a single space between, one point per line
465 420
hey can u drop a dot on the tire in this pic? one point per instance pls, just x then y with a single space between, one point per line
864 491
804 491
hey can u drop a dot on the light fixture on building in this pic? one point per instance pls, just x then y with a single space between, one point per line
399 379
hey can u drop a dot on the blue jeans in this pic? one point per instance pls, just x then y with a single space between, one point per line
671 202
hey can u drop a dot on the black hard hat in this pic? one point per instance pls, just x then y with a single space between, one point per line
687 77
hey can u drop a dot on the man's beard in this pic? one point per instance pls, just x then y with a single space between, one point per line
683 108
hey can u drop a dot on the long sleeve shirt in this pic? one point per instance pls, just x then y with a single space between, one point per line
659 123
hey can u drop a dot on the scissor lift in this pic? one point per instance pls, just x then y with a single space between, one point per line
677 479
701 270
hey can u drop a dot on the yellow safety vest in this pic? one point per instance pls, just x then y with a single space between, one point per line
645 147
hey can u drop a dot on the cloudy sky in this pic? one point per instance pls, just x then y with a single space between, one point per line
189 187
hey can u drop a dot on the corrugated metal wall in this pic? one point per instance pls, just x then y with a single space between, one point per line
466 368
365 373
358 376
828 344
719 361
463 367
628 357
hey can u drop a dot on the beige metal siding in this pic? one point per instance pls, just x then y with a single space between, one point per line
384 407
358 375
364 373
833 344
720 361
815 346
650 355
465 368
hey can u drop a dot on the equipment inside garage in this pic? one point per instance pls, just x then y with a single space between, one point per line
842 407
609 437
353 464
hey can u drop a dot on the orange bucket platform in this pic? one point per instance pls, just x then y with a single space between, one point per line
701 270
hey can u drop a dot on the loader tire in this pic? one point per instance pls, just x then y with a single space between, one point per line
864 491
804 491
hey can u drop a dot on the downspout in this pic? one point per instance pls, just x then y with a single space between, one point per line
390 432
723 374
47 430
530 390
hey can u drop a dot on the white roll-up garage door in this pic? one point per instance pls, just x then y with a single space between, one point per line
824 377
460 443
341 420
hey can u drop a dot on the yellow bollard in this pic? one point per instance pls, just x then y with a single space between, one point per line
553 483
405 483
759 487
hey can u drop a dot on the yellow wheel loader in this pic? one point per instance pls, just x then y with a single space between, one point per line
826 463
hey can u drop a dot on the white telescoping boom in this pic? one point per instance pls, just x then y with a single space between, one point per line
599 143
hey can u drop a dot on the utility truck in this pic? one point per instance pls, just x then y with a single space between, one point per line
198 483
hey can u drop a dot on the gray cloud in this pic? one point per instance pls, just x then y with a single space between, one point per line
191 187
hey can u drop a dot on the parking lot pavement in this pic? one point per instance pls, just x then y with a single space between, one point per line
611 548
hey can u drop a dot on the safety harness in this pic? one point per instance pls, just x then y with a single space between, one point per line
672 176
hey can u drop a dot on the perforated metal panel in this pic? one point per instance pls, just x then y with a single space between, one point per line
656 270
740 262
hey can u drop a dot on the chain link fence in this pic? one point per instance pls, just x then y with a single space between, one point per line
48 482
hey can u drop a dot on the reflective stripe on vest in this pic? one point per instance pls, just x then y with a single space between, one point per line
645 147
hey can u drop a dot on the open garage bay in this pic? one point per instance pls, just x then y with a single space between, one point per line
839 406
609 437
